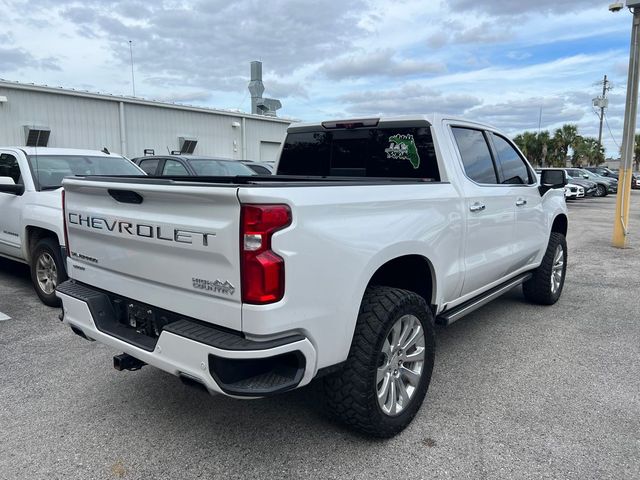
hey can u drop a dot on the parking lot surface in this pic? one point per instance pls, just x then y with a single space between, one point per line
519 391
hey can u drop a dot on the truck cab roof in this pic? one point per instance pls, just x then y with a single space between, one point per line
394 120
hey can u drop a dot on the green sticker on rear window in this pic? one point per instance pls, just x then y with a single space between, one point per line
403 147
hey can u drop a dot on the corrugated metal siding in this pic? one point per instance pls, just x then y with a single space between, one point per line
258 132
93 123
74 122
159 128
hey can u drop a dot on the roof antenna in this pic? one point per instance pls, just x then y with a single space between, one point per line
105 150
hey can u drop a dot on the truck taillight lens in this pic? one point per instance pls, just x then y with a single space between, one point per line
262 269
67 247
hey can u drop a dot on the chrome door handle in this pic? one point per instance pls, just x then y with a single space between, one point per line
520 202
477 207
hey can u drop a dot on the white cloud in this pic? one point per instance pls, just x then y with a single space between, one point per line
498 60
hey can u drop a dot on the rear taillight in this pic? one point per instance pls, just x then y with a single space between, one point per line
262 269
64 227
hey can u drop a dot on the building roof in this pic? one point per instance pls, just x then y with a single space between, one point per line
134 100
62 151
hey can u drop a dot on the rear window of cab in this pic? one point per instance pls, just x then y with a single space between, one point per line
361 152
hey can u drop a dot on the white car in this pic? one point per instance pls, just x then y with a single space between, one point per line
572 191
336 267
31 204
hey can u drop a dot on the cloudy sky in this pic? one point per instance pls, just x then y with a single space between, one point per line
498 61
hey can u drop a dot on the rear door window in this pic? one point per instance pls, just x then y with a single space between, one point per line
150 166
174 168
512 166
476 156
361 152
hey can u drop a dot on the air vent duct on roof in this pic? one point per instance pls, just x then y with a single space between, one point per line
36 136
187 145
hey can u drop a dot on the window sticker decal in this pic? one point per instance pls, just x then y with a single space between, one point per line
403 147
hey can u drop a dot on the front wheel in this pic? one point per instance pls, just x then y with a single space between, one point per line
385 379
545 287
601 191
47 270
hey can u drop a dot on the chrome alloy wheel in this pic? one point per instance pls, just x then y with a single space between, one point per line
46 273
557 269
401 365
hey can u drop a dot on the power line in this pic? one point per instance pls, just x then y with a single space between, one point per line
610 132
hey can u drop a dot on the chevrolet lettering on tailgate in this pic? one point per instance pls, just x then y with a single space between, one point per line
170 234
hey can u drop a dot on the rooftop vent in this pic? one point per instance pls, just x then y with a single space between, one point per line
260 105
36 136
187 144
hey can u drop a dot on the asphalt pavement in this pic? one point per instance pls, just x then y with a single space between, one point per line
518 391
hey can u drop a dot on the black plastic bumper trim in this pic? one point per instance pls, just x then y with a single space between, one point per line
258 377
104 316
222 339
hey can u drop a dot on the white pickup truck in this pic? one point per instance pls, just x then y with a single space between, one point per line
336 267
31 221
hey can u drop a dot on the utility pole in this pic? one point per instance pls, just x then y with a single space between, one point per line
621 221
133 80
603 103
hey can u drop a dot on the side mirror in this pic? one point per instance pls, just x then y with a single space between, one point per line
551 179
7 185
586 177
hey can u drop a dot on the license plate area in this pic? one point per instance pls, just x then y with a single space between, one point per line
144 319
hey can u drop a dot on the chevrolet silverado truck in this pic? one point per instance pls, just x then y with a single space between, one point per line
31 221
336 268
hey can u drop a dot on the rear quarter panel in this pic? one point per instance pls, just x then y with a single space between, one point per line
338 238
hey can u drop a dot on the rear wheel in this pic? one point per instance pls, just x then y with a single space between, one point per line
545 287
387 374
47 270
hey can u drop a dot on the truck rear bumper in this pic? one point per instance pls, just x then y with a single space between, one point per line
224 362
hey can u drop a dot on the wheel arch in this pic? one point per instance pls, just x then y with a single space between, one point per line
33 234
560 224
411 272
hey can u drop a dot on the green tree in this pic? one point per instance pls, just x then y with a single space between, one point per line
563 139
586 151
534 146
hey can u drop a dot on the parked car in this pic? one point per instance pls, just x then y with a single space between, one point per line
604 185
31 228
603 171
573 191
635 181
251 287
191 165
590 187
261 168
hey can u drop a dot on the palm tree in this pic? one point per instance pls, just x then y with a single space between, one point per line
543 140
587 151
564 138
534 146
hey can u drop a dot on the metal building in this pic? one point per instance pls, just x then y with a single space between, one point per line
58 117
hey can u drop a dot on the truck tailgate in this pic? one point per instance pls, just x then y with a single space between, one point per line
164 244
